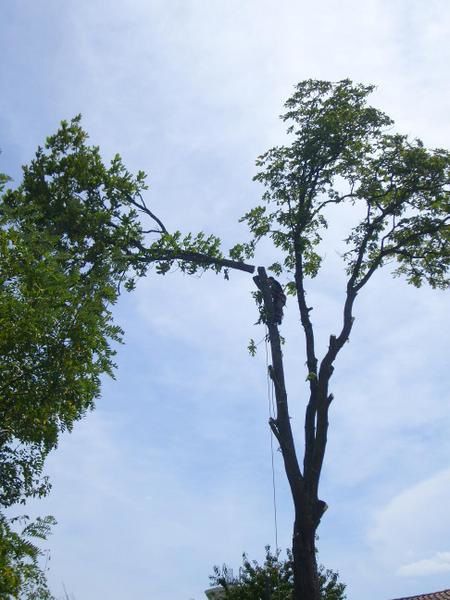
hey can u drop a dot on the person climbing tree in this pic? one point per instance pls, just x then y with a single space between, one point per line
278 300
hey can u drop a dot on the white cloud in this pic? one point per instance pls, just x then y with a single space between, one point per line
439 563
414 523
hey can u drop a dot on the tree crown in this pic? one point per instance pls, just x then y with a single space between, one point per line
342 151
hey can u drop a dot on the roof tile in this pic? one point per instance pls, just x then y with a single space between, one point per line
443 595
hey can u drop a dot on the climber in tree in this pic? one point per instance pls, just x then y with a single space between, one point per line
278 299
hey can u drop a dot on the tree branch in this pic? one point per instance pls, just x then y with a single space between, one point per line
311 361
199 259
143 207
393 250
146 256
324 399
336 343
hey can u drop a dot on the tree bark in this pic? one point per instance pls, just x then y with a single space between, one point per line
306 577
308 509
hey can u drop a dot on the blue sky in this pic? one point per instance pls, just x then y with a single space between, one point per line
171 474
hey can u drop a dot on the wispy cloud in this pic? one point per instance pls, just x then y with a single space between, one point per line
414 523
439 563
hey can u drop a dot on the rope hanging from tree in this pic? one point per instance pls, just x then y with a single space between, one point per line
272 415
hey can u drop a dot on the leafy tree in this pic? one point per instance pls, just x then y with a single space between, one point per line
273 580
60 265
21 575
341 151
59 271
70 240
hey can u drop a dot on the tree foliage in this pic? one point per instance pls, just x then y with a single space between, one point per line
342 150
271 580
60 267
71 237
21 575
61 260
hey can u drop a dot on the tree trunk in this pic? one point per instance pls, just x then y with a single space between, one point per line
306 578
308 508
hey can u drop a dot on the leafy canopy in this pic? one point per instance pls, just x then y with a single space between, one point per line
342 151
21 575
71 236
62 231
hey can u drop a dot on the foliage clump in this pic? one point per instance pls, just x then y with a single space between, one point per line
271 580
21 575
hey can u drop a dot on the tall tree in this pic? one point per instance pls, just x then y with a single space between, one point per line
70 240
91 226
341 152
58 277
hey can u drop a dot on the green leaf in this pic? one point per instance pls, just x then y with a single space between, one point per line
252 347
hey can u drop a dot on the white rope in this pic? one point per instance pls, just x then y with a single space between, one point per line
272 415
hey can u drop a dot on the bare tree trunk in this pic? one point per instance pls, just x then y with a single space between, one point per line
306 577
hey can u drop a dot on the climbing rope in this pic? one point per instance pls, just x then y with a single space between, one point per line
272 415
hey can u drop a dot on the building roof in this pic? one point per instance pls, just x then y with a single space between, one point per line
444 595
217 593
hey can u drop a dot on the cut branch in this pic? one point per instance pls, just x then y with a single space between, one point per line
201 259
148 256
